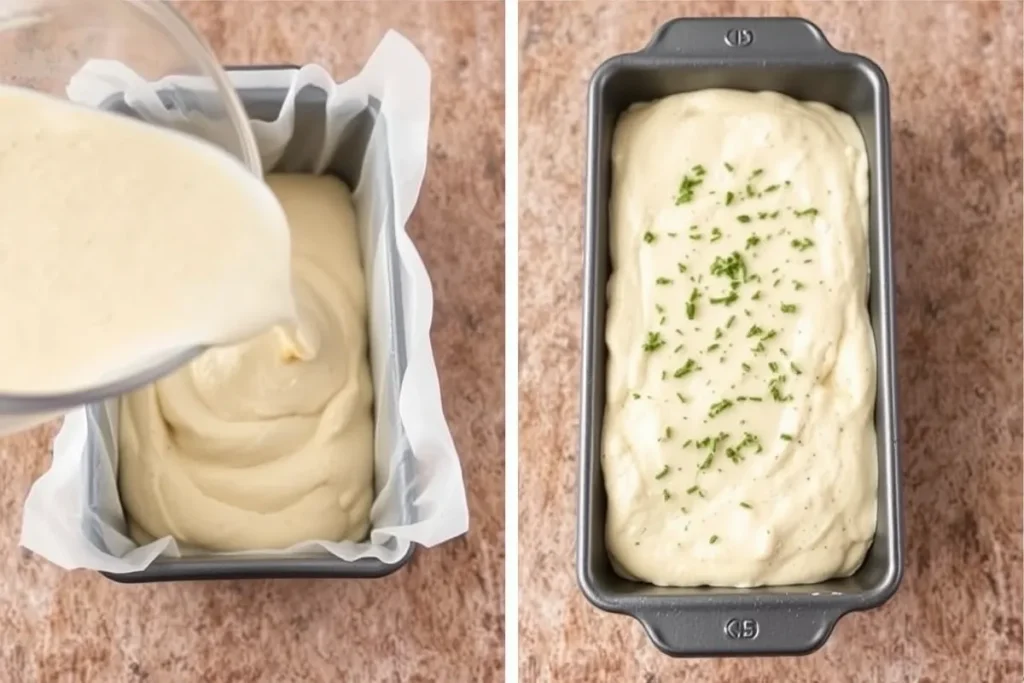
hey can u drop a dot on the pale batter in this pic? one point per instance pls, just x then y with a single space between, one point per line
270 442
739 444
123 243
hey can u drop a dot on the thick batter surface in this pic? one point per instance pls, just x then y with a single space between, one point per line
270 442
739 444
122 243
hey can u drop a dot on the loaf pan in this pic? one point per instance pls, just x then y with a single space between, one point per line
264 104
790 56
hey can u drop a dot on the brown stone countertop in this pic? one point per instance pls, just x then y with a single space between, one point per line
955 75
440 618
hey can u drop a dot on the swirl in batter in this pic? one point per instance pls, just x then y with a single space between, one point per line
270 442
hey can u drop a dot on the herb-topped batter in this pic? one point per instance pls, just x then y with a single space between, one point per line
739 444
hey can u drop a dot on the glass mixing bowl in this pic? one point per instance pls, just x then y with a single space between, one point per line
43 43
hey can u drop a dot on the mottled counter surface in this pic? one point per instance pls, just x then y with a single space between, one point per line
440 618
955 74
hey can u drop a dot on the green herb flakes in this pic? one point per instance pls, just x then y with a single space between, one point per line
720 407
727 299
802 244
775 388
649 237
691 305
729 197
743 218
662 473
686 369
687 187
654 342
663 281
788 308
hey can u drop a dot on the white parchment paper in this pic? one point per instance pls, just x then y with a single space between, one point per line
73 515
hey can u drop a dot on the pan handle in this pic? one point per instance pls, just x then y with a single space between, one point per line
715 630
738 37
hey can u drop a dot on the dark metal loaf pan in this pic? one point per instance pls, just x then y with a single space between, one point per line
264 104
793 57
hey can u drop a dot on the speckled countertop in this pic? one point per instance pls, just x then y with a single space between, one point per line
955 75
441 617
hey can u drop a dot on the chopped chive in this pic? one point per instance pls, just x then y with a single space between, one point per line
692 490
775 387
720 407
727 299
730 321
728 167
663 281
686 369
786 437
691 305
771 188
754 331
756 295
753 241
664 471
714 347
649 237
744 504
797 285
796 369
680 397
743 218
713 539
665 494
757 172
802 245
788 308
687 186
729 197
806 212
770 334
687 443
681 267
773 366
746 368
654 342
716 234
